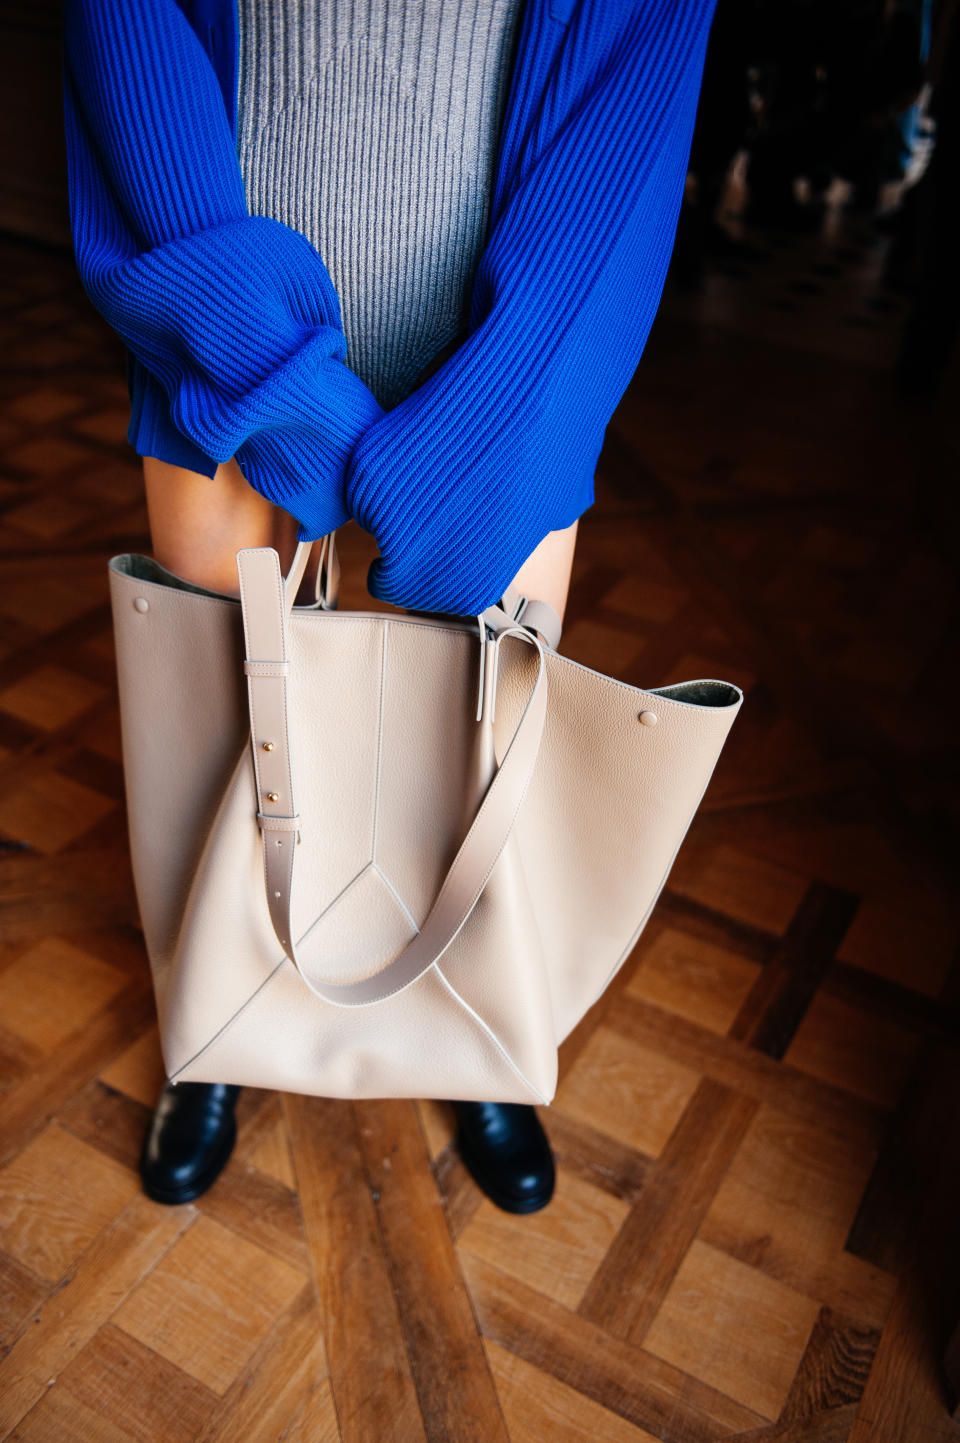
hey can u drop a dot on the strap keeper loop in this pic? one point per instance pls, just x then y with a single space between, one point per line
278 824
266 668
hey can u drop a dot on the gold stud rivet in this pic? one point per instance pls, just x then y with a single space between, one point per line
648 718
273 796
268 746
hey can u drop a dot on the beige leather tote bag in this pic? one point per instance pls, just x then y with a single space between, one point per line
387 855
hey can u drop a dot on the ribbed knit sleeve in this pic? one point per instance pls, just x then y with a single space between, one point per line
233 316
461 481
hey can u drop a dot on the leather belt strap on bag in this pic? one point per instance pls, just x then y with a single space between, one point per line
265 601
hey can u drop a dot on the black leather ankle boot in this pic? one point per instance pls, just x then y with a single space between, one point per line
189 1140
506 1152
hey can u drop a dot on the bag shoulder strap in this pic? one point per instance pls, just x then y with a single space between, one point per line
267 669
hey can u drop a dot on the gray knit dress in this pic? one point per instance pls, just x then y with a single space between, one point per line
372 129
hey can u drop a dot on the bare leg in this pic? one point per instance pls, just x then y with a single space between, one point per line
545 575
198 524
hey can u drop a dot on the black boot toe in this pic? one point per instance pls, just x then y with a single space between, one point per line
506 1152
189 1141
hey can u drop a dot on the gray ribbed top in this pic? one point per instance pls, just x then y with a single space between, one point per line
371 127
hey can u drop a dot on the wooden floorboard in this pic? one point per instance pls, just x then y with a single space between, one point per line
756 1127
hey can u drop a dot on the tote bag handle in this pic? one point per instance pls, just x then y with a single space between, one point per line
538 615
265 601
328 573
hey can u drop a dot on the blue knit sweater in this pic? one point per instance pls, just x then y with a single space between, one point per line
233 325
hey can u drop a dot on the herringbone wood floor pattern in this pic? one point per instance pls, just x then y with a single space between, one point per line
753 1234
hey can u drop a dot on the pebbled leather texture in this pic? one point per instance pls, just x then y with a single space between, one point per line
380 769
189 1140
505 1150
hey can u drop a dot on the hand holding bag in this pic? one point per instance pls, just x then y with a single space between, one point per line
387 855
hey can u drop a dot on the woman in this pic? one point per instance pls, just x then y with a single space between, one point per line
494 188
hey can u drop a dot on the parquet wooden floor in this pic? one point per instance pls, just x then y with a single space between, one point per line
753 1234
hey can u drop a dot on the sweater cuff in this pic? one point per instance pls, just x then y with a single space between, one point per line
151 431
456 509
237 328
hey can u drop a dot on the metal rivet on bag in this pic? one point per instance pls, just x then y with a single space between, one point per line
278 894
273 796
268 746
648 718
141 603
